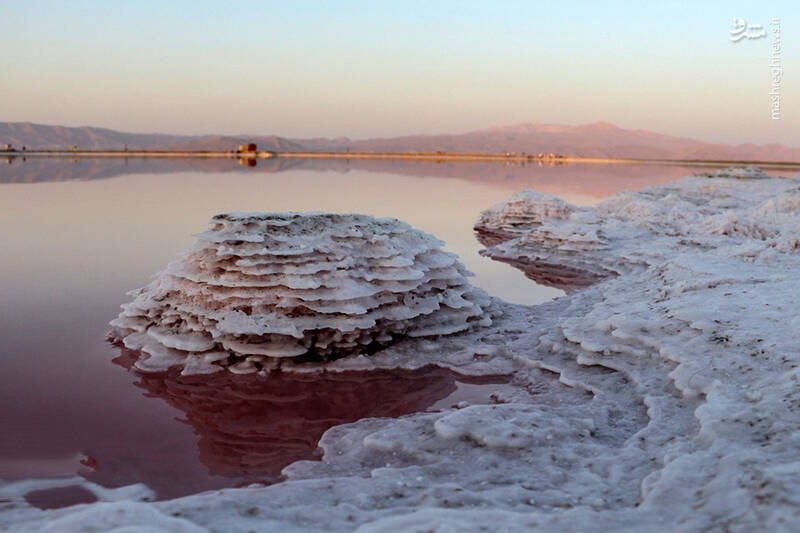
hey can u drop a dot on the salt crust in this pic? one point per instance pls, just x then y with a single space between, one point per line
689 418
260 287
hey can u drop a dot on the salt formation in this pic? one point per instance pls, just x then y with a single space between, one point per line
568 247
734 172
681 410
566 256
522 212
260 287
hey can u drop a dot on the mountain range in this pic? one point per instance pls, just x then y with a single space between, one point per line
600 139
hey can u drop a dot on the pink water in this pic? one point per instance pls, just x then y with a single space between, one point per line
71 249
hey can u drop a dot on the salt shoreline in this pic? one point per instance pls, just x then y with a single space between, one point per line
668 398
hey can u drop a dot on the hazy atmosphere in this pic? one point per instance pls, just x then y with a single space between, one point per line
365 69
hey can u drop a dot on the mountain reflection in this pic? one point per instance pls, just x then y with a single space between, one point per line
597 181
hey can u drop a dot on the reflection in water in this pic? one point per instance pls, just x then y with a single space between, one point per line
18 169
592 180
250 427
562 277
545 273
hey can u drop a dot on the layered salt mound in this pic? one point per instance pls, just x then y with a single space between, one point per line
259 287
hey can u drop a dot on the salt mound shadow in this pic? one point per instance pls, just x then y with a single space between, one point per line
251 427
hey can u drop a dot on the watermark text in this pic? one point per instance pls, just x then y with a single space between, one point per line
776 69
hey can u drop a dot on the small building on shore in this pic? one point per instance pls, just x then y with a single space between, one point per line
247 148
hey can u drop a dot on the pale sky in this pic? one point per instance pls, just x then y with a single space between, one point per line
365 68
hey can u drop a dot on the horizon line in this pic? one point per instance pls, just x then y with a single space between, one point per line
400 136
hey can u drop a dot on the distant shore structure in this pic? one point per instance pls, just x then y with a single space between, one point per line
248 153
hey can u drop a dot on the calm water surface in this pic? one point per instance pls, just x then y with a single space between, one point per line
76 236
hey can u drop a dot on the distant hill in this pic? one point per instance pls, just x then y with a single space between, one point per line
589 140
44 137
